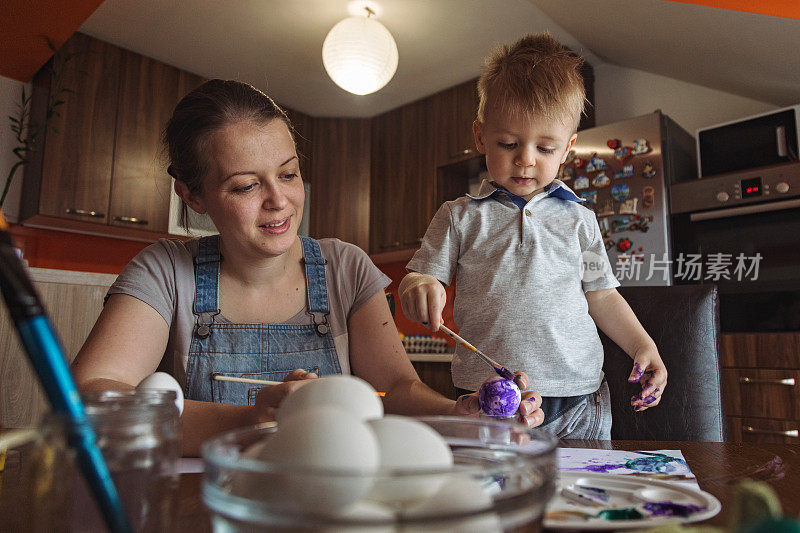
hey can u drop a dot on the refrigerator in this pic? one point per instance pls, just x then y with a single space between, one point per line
624 171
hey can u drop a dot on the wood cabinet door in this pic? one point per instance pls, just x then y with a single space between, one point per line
140 185
403 172
340 181
79 144
455 110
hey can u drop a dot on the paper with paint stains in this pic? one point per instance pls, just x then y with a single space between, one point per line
659 464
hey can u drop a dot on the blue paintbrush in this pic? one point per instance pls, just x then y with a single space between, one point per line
45 354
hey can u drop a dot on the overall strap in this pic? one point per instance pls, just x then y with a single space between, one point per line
206 279
316 286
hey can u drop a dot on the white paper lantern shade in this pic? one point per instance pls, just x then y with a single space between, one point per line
360 55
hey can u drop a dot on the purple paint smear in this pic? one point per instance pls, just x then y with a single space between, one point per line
672 509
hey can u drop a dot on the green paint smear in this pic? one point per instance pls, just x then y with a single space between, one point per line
621 514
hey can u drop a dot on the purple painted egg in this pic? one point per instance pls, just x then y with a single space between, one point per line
499 397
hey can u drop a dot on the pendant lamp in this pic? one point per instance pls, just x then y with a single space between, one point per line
360 54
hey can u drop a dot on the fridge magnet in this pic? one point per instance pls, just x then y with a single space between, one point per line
648 196
613 143
581 183
608 242
567 173
578 162
607 209
648 171
629 207
590 196
626 172
604 226
620 192
623 245
595 164
621 224
601 180
623 152
640 147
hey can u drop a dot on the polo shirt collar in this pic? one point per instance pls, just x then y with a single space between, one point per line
556 189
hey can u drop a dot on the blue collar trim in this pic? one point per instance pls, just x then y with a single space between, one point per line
556 189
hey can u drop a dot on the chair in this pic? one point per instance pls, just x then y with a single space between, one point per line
683 320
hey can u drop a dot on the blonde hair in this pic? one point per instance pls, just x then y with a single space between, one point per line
535 75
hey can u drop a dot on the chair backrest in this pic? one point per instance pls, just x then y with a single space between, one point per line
683 320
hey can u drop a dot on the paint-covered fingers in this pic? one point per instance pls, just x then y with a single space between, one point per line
522 380
530 409
653 379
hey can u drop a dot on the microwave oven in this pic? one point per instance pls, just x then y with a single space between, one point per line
201 225
766 139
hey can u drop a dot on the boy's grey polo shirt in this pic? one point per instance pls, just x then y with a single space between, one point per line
519 295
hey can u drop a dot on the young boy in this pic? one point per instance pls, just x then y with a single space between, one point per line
533 277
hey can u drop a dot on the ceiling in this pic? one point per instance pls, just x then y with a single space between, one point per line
276 45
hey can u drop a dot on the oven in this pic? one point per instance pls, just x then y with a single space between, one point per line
742 231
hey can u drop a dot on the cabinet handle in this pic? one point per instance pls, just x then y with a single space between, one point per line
84 212
786 381
131 220
465 151
786 433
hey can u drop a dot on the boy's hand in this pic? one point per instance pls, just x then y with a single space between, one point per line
649 370
422 298
530 408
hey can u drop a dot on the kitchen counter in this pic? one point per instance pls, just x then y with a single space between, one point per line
431 357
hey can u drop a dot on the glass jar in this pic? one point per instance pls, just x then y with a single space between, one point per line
138 433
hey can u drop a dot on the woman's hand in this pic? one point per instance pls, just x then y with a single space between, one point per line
649 370
529 413
269 399
422 298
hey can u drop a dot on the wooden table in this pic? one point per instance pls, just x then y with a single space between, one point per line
717 467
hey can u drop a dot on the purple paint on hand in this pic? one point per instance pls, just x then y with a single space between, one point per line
499 398
636 375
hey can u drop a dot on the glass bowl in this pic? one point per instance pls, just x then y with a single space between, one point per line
502 479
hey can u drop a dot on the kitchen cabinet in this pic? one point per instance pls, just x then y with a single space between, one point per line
761 386
101 161
402 176
74 177
455 110
340 180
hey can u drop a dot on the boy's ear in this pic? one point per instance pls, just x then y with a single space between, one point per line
188 198
570 144
477 131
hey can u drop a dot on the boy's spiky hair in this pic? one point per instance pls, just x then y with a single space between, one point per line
535 75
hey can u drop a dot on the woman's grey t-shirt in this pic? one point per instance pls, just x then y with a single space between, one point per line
162 276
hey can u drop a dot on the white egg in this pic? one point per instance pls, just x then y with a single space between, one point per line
408 444
329 439
458 494
344 392
163 381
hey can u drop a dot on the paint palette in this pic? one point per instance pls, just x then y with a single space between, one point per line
606 501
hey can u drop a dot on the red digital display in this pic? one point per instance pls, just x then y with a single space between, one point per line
751 187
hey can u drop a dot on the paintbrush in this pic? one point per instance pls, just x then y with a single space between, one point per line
500 369
47 358
254 381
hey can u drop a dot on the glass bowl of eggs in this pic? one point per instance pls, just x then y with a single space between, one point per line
341 465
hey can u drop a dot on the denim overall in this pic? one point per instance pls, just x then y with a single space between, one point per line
257 351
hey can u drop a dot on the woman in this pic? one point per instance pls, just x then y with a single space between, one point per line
257 301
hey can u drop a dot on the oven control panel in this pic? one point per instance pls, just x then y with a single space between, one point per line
766 184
